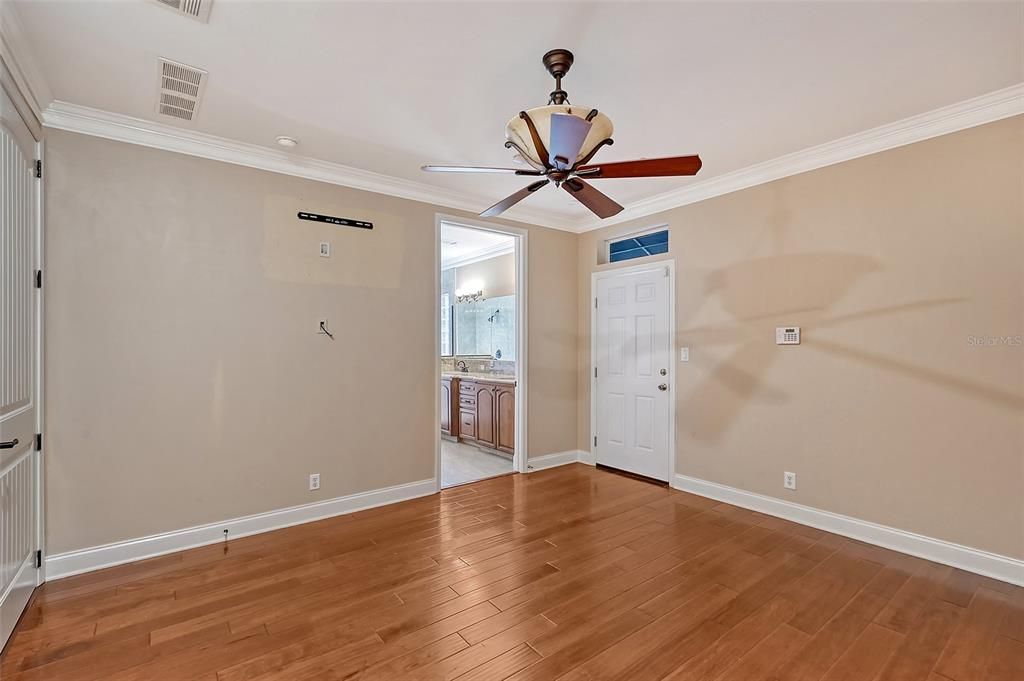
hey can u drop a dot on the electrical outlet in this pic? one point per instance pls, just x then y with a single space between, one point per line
314 481
325 249
789 480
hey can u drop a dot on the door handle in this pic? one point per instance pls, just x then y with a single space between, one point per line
11 444
663 387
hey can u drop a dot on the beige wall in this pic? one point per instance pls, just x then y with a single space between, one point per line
497 274
886 412
185 383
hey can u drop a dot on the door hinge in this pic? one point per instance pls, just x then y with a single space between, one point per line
39 278
39 168
595 440
595 303
595 372
39 442
39 558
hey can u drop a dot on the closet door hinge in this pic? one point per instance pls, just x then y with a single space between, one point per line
39 168
595 440
39 278
39 442
39 558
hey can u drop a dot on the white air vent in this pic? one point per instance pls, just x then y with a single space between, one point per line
197 9
179 89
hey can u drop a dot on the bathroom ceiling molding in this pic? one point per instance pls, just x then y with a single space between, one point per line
479 255
969 113
987 108
20 62
113 126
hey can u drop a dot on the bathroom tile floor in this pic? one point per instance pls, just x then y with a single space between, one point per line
461 463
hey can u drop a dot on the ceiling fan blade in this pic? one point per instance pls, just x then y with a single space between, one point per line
509 201
648 167
478 169
599 204
567 135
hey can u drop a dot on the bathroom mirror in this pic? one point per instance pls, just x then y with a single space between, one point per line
486 327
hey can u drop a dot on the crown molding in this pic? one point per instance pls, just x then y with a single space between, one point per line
492 251
85 120
21 63
944 120
987 108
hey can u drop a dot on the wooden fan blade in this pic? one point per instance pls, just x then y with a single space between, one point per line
509 201
599 204
567 135
478 169
648 167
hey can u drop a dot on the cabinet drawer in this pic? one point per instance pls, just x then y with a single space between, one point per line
467 424
466 388
467 402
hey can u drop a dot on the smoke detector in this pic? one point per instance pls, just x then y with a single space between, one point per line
180 88
196 9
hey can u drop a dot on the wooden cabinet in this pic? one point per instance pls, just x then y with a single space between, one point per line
486 413
450 406
505 418
485 433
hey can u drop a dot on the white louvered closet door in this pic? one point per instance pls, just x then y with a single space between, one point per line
19 328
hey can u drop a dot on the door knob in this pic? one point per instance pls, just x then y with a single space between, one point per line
663 387
11 444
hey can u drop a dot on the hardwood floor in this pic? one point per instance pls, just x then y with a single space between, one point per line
569 573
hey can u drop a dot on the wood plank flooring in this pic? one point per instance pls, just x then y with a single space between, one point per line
570 573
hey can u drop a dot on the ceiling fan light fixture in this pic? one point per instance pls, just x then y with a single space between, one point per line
558 141
518 132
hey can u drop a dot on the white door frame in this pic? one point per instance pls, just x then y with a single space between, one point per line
519 457
668 264
39 374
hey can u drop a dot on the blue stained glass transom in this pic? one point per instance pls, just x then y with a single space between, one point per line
638 246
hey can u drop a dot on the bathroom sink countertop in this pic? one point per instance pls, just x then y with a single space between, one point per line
481 376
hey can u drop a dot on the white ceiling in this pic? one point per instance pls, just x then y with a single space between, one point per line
462 244
388 86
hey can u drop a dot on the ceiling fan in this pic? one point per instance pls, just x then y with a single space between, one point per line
558 141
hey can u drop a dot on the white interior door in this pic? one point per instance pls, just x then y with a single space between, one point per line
19 362
633 349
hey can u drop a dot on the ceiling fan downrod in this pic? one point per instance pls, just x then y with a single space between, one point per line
558 62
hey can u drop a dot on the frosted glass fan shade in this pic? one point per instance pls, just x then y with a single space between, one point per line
518 132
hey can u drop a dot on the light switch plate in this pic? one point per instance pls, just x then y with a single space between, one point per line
325 249
684 354
787 335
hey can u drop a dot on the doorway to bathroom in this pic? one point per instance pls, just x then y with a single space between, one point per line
481 350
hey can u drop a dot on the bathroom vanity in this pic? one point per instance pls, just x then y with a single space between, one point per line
479 409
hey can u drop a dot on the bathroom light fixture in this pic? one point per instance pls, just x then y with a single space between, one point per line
469 297
470 292
288 142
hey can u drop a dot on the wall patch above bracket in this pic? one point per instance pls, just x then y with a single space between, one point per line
344 222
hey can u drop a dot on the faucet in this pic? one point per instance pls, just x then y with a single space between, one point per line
461 365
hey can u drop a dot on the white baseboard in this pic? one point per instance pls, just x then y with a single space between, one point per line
97 557
539 463
993 565
588 458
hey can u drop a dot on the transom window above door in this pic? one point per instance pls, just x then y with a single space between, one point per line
639 246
